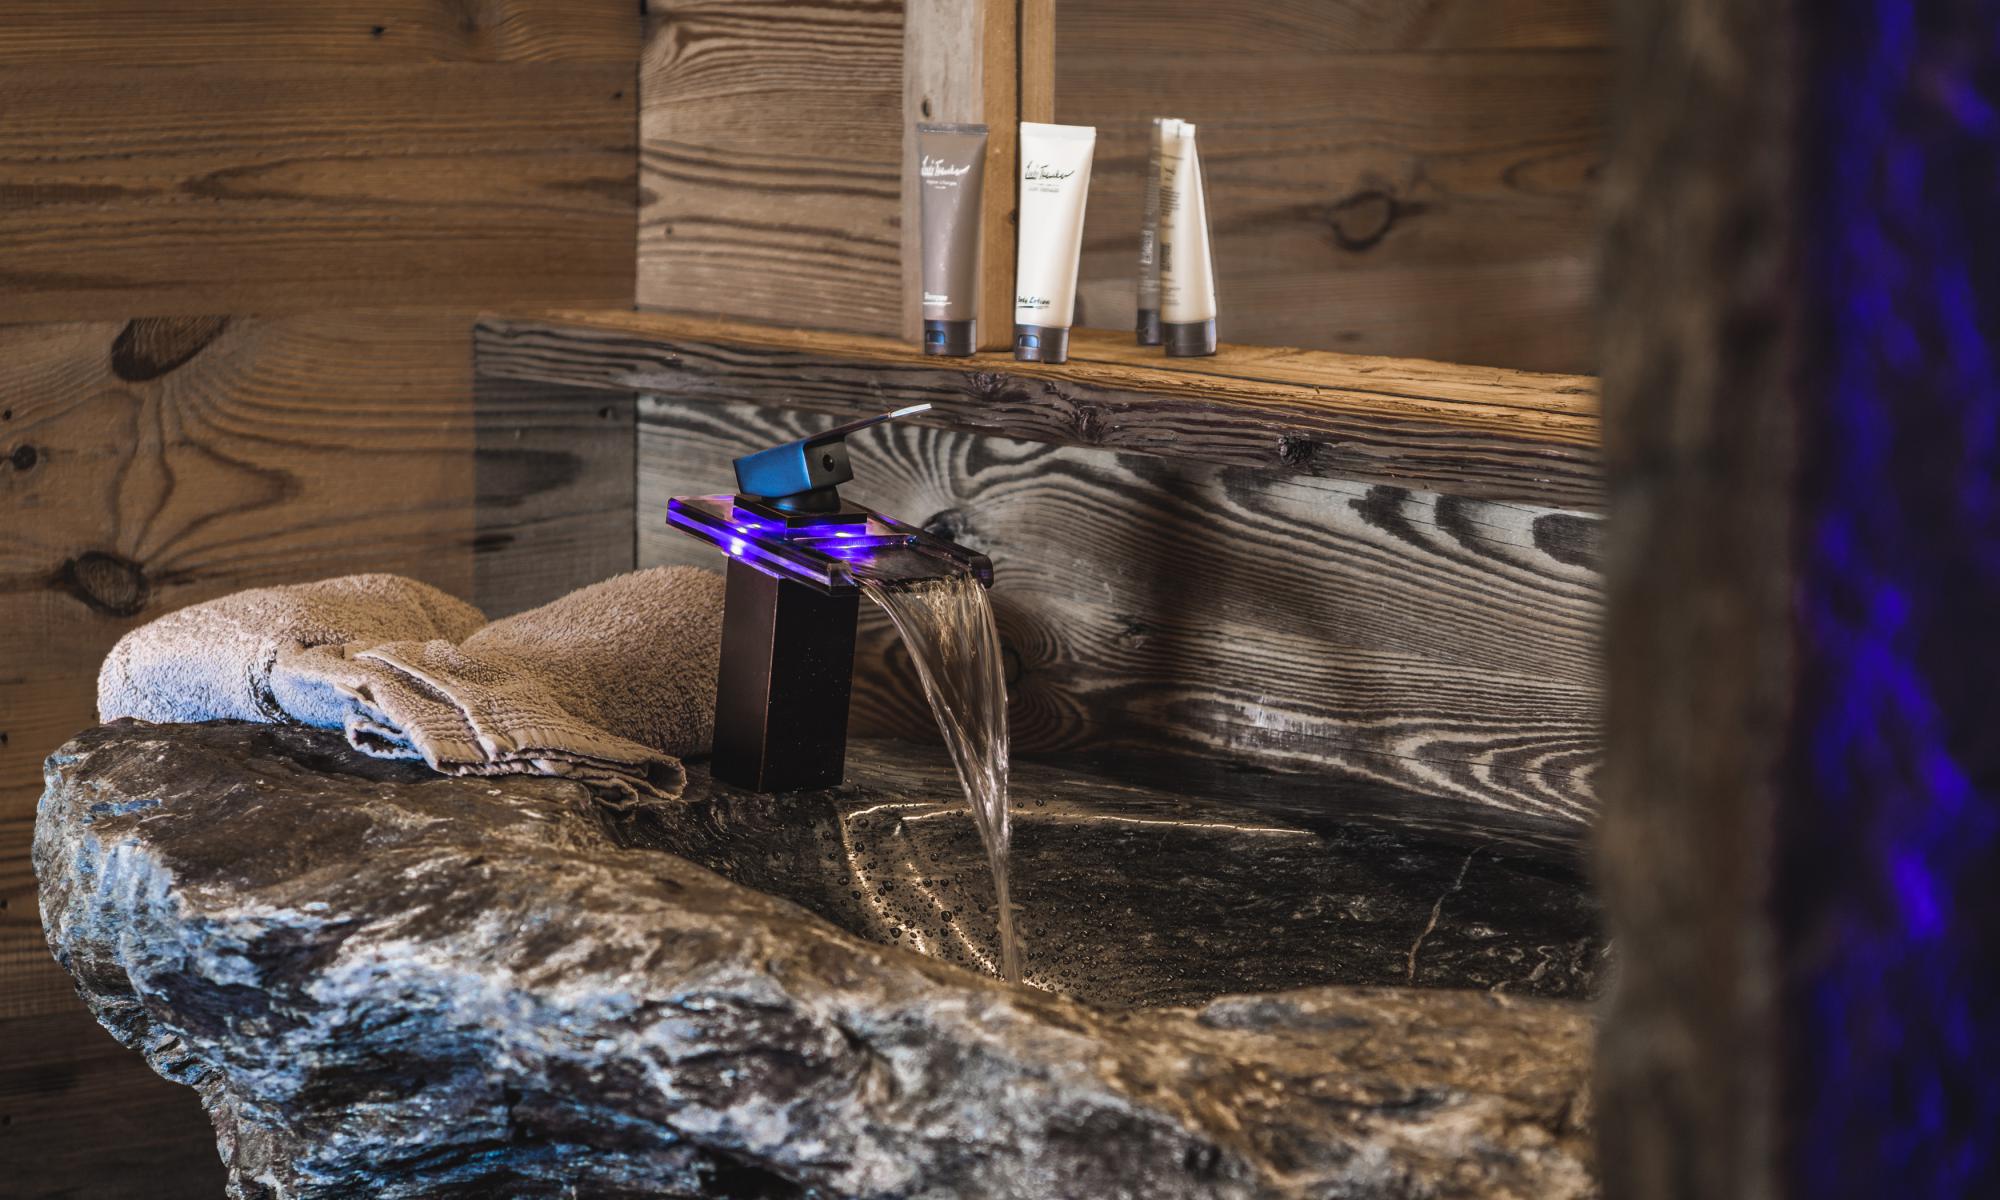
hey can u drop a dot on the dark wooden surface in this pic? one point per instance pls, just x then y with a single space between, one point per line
82 1117
1700 436
553 478
266 186
146 33
1473 431
1409 179
770 156
1434 647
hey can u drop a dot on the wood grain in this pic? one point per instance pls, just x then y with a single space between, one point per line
1708 367
268 188
959 64
555 478
1432 647
770 162
159 462
1316 26
82 1116
1364 197
146 33
1483 432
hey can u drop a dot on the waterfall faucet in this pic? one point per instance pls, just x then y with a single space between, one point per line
797 553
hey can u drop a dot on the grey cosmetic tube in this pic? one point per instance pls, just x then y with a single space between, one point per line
951 176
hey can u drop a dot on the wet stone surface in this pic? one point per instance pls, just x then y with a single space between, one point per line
387 983
1132 896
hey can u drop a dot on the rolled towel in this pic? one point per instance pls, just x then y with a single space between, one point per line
609 685
232 658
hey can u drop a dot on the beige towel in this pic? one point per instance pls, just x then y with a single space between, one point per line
607 685
230 658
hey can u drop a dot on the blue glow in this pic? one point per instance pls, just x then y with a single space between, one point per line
1889 889
824 555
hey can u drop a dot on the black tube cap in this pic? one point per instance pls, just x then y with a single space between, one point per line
1149 327
1041 343
956 338
1190 340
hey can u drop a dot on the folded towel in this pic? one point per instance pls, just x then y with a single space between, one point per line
220 660
606 685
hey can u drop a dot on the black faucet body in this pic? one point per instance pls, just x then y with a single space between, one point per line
792 601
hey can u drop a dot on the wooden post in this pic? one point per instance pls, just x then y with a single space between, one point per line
1801 830
960 63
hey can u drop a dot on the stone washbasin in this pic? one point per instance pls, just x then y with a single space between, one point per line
387 983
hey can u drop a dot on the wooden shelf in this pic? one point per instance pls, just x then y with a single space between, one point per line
1484 432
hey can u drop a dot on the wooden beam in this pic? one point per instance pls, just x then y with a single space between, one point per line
1404 649
770 162
146 33
1472 431
959 65
266 187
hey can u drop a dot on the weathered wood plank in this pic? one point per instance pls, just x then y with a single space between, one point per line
1475 431
556 492
1433 203
959 64
160 462
37 713
1433 647
1183 27
146 33
260 187
1037 56
1704 358
770 162
80 1115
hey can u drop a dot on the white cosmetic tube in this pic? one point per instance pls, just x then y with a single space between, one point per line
1055 182
1187 267
1149 243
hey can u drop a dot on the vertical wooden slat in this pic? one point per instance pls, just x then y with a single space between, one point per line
1037 60
1699 429
958 65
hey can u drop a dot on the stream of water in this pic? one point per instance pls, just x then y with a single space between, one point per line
948 626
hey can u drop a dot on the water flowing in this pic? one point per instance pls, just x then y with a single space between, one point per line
949 629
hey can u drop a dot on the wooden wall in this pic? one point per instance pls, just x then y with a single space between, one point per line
1421 649
770 162
1383 177
242 245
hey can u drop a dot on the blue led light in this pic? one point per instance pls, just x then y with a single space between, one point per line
1891 823
824 555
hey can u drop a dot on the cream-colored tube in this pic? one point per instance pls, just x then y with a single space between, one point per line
1055 182
1187 266
1149 243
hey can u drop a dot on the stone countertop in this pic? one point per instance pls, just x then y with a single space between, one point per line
383 982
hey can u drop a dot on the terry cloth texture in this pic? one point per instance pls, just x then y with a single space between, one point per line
607 685
610 684
220 661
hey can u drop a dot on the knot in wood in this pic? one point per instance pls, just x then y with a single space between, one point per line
108 583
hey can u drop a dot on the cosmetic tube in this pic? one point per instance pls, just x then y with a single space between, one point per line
1149 243
1187 269
1055 182
951 176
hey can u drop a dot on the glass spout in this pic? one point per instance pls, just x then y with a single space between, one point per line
823 552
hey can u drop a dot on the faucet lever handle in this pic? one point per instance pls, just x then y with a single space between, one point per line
814 462
840 432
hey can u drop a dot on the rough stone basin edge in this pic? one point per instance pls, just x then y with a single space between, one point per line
394 984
